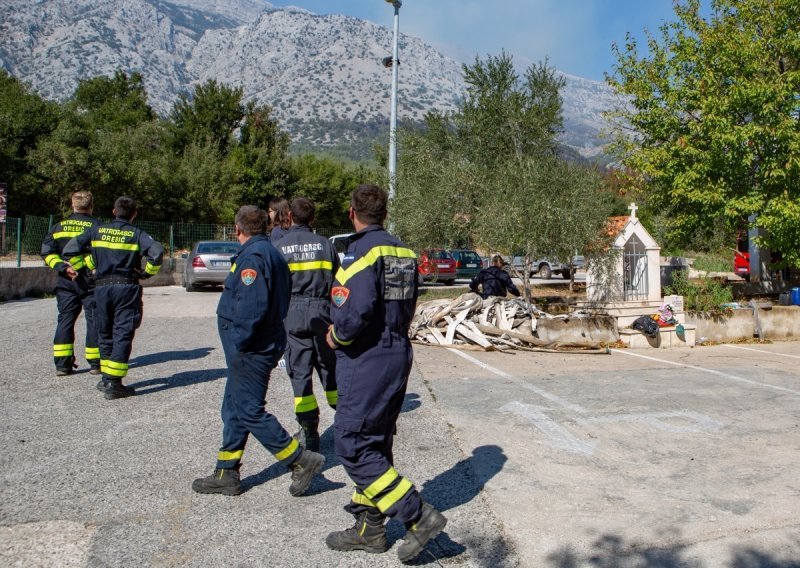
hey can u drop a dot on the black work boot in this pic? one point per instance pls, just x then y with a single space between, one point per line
115 389
102 384
420 533
368 534
303 470
308 435
222 481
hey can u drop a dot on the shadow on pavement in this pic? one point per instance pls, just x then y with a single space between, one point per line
320 484
411 402
613 551
462 482
163 357
183 379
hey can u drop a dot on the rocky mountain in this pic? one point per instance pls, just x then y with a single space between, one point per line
321 74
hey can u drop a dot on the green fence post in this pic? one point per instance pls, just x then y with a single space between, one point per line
19 242
171 241
50 223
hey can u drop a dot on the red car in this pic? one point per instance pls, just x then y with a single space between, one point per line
741 258
437 265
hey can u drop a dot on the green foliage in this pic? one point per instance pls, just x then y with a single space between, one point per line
490 173
714 108
211 113
716 261
703 295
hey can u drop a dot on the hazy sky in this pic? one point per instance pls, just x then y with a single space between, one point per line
575 34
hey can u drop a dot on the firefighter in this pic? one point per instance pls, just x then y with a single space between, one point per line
74 288
116 255
312 262
374 297
250 317
493 281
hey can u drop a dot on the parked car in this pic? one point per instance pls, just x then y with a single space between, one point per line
208 263
545 268
437 265
340 243
468 262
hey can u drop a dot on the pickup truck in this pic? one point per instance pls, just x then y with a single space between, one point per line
545 268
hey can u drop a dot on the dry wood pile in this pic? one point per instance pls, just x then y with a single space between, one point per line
470 322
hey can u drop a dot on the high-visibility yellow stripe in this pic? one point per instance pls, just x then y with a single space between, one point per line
332 396
92 353
381 483
311 265
63 350
67 234
345 274
113 368
152 269
230 456
233 267
116 246
52 259
305 403
337 340
394 495
288 450
361 499
90 264
77 262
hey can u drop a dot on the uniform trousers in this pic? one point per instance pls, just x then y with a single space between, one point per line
243 404
306 325
118 314
372 387
71 298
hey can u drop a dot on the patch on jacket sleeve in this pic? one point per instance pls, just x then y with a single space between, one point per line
339 295
248 276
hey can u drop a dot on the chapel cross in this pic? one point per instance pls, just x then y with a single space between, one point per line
633 209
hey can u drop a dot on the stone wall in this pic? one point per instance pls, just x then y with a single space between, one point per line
41 280
775 322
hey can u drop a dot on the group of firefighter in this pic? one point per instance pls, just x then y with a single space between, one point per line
290 297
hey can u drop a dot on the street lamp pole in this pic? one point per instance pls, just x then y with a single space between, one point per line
393 120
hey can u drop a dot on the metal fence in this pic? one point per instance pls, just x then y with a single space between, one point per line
21 238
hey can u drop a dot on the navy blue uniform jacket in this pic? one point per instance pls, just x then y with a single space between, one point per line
374 290
255 299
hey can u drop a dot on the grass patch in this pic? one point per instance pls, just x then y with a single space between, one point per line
441 293
714 261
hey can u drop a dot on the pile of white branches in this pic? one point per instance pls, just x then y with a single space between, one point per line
470 322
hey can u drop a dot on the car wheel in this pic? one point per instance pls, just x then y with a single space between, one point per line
189 286
545 271
567 274
450 282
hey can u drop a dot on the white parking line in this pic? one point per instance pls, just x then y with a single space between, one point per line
711 371
760 351
543 393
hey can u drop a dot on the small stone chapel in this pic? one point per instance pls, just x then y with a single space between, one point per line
636 276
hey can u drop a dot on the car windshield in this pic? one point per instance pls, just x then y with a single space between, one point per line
439 255
217 248
469 256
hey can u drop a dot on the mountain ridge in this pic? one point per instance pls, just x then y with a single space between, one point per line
312 69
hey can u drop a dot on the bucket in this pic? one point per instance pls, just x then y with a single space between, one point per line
796 296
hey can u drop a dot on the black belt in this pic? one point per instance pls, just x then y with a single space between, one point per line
111 280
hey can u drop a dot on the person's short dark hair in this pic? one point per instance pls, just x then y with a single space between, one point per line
369 203
125 207
251 220
82 201
303 211
497 260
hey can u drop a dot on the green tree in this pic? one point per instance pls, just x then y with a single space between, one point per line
713 120
329 184
489 174
211 113
24 119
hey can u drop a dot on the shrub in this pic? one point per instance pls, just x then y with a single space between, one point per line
702 295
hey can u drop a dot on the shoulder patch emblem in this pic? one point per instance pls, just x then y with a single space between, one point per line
248 276
339 295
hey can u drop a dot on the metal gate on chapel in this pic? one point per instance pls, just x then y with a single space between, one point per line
634 274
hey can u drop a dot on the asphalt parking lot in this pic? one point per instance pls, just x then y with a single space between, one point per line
636 458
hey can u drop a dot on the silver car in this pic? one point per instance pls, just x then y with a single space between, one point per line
208 263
